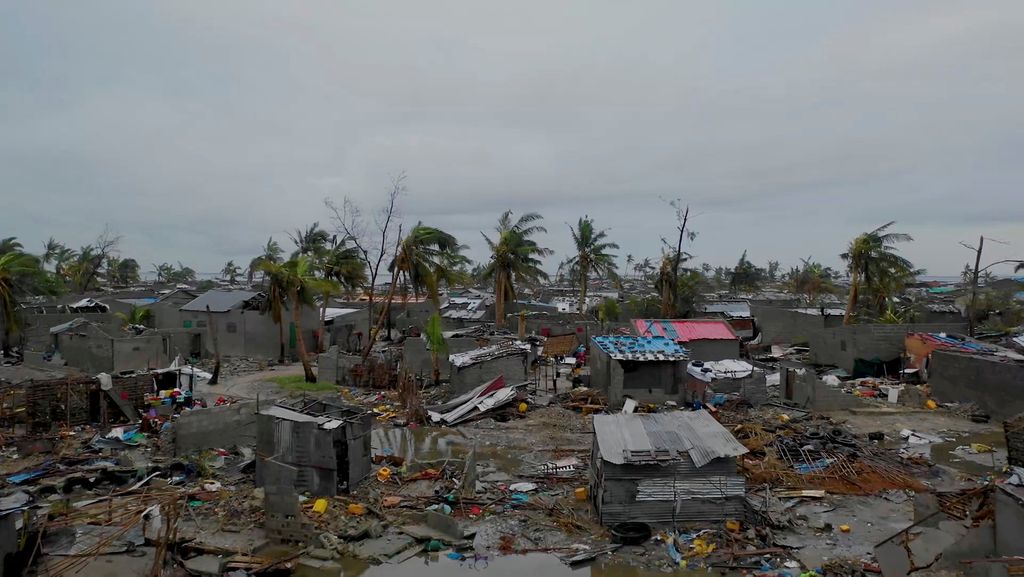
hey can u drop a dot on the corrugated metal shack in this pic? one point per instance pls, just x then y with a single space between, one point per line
664 467
327 445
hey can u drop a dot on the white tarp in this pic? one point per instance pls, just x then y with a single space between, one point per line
727 369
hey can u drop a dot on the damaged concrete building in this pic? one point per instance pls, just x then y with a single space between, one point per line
648 369
508 358
705 339
327 446
664 468
705 379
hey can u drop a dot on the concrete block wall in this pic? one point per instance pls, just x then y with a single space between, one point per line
513 368
416 355
811 393
88 349
781 326
215 427
841 346
713 349
997 387
36 327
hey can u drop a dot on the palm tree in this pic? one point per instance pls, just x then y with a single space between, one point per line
135 316
646 266
967 275
870 258
310 242
276 302
299 276
17 270
426 258
591 255
811 280
230 271
343 265
515 258
10 244
629 262
438 346
271 254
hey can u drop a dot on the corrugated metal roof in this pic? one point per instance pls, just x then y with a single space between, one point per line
561 345
219 301
646 438
630 348
685 330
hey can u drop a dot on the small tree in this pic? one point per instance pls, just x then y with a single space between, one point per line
436 342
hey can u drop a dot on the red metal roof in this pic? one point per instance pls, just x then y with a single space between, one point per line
685 330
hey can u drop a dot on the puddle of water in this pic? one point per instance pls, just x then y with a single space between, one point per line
427 444
497 566
972 464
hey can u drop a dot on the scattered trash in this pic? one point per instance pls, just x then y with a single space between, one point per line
523 487
844 528
356 509
383 474
320 506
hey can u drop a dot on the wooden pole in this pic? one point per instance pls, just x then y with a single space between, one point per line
974 287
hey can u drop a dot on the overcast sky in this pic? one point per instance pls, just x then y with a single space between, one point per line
198 129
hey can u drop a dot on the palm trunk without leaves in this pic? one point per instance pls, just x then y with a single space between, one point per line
583 288
851 302
280 341
212 328
323 324
499 299
300 341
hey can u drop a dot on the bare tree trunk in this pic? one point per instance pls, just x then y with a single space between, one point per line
435 361
499 299
851 302
583 288
212 328
679 256
323 324
280 340
297 319
375 327
971 314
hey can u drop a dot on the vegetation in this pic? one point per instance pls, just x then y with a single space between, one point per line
230 272
18 272
438 346
276 302
136 316
298 276
812 280
745 276
515 258
299 383
873 264
271 255
168 273
592 256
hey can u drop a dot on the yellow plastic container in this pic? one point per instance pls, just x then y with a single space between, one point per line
581 493
523 407
931 404
356 509
320 506
383 474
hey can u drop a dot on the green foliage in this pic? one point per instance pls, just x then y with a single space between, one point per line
426 258
745 276
271 255
515 257
136 316
812 280
435 336
592 256
608 311
298 383
875 267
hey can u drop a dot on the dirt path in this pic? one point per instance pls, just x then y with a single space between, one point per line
249 385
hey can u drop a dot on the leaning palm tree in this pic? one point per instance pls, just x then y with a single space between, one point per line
271 254
871 258
311 241
302 284
515 258
343 265
276 300
629 262
591 256
17 268
230 271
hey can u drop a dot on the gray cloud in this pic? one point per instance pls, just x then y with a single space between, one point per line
198 129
